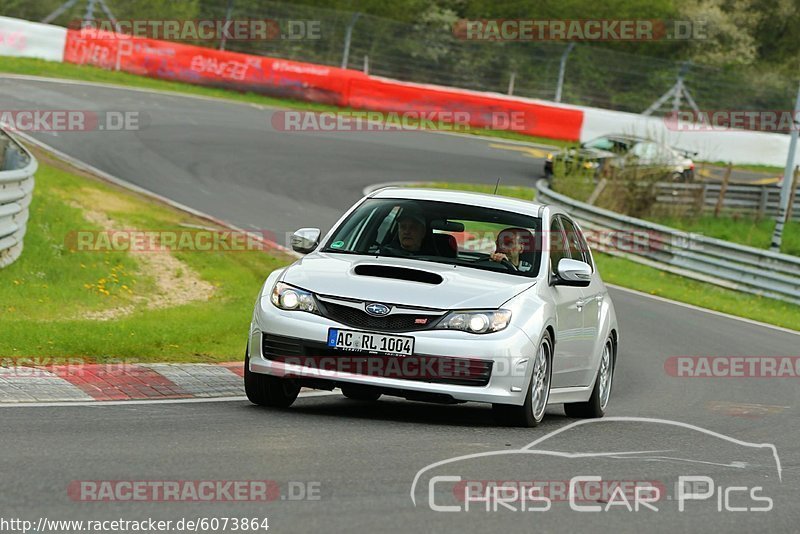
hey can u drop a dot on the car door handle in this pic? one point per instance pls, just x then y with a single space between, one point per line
583 302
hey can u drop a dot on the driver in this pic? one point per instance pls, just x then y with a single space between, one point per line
413 238
412 228
511 243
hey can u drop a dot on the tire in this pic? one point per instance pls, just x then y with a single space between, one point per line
361 393
531 413
267 390
597 404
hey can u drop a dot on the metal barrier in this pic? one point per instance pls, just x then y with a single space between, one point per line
726 264
17 167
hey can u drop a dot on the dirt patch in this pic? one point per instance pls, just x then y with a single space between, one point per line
176 283
109 201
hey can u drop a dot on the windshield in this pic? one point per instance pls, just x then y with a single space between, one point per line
453 234
611 144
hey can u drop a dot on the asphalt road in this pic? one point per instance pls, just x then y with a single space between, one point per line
228 160
225 159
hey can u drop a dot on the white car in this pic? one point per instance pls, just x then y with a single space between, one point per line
441 296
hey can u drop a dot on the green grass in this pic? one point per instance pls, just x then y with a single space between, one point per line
38 67
744 231
770 169
632 275
45 295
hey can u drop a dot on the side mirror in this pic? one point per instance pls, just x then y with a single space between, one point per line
573 273
305 240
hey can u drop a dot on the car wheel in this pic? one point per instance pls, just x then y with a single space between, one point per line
360 393
597 403
267 390
531 413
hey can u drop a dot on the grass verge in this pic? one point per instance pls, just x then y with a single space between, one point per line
88 73
744 231
57 301
632 275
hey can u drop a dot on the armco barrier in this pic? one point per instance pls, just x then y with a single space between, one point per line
17 167
747 269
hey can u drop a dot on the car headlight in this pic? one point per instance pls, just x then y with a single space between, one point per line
590 165
476 322
290 298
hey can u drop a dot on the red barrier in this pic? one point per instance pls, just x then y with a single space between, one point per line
206 66
484 110
314 83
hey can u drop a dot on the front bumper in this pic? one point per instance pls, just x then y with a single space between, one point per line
506 353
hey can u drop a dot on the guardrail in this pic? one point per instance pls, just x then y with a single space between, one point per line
17 167
757 200
726 264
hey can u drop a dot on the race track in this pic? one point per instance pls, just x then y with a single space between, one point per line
225 159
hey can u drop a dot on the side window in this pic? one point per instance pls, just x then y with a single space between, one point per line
558 246
578 249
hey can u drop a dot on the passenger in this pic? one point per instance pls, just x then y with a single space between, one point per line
512 244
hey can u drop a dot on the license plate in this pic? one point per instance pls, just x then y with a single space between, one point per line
370 342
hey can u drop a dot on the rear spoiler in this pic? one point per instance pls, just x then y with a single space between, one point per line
686 152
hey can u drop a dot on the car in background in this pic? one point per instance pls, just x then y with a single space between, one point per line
620 151
440 296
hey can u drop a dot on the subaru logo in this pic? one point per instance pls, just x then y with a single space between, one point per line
377 309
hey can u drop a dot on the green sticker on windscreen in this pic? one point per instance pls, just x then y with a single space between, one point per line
337 244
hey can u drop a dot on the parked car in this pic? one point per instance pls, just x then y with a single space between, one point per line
622 150
442 296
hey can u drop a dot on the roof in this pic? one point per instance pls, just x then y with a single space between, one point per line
468 198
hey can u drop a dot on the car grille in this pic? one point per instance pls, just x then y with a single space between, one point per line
398 322
417 367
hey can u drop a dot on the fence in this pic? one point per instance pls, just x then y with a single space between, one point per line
16 189
758 201
738 267
427 51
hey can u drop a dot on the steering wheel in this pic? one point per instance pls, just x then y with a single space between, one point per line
504 262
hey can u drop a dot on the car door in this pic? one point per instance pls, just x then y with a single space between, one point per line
569 351
589 304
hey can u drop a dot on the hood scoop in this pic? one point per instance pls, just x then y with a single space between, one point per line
398 273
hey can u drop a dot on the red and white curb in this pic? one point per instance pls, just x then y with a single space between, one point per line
120 382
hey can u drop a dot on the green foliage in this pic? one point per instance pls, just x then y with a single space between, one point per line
48 295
